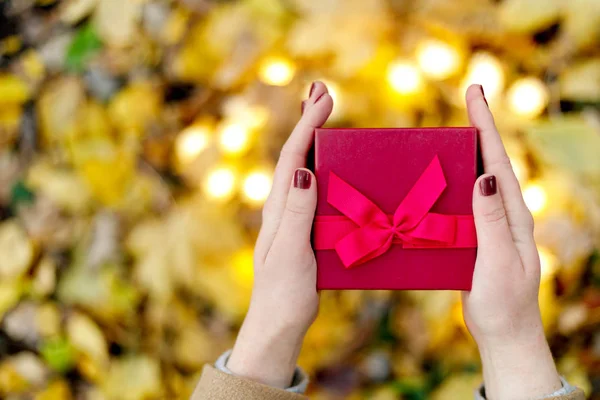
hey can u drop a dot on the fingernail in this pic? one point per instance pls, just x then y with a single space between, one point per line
320 97
488 186
303 107
483 94
312 89
302 179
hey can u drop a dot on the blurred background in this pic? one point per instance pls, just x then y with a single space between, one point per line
137 145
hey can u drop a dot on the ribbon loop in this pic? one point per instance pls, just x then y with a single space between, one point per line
371 232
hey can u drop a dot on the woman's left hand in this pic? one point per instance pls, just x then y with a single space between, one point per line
284 297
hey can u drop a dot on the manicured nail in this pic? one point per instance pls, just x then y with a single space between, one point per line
312 89
302 179
320 97
483 94
303 107
488 186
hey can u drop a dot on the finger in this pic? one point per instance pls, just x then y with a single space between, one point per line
496 162
316 110
299 211
494 239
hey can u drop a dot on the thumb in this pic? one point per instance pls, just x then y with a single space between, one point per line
493 232
300 206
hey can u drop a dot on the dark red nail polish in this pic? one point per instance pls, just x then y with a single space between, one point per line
488 186
303 107
312 89
302 179
320 97
483 94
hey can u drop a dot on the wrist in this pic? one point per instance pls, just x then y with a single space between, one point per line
266 350
519 367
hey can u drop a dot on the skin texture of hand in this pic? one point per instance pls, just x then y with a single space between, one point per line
284 298
501 310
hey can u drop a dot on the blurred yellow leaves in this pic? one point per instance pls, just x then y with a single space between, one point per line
184 168
75 10
44 278
12 90
460 386
222 48
10 294
135 108
117 21
64 187
58 107
165 252
21 372
581 81
579 19
48 320
13 93
56 390
101 143
87 339
103 293
133 377
16 249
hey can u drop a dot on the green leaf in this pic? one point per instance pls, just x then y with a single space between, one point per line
20 194
411 389
58 354
85 44
384 331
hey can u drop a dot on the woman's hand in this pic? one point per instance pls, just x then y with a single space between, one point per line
284 298
501 310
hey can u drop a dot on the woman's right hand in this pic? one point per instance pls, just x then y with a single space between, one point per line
501 311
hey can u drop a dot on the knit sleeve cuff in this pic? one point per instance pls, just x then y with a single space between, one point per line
565 390
299 380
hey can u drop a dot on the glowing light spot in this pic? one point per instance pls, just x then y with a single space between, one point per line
191 142
437 59
257 186
234 138
528 97
486 70
277 71
220 183
404 77
535 198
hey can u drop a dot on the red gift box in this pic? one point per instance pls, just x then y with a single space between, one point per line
394 208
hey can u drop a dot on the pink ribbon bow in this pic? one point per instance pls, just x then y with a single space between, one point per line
366 232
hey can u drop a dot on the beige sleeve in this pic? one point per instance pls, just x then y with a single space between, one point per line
217 385
576 395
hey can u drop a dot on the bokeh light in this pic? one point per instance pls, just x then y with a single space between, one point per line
484 69
535 198
277 71
191 142
220 183
437 59
234 138
404 77
528 97
257 186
